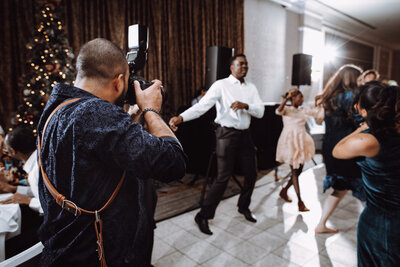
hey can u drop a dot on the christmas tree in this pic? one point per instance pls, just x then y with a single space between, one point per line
50 62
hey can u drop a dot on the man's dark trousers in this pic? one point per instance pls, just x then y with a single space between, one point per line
233 147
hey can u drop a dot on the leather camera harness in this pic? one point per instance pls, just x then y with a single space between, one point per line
71 206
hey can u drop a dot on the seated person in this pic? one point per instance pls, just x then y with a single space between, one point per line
387 81
198 95
11 170
21 145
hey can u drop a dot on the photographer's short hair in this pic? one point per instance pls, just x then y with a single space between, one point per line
100 59
235 57
21 140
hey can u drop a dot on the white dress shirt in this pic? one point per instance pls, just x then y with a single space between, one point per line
31 167
223 93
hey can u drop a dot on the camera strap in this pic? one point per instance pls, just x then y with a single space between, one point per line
71 206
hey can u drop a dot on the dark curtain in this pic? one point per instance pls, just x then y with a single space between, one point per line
16 27
179 33
395 75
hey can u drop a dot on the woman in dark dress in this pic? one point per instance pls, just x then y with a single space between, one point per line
341 175
378 231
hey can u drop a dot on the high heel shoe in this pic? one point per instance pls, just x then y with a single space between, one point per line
283 195
302 207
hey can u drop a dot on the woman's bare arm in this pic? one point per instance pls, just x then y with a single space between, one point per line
356 144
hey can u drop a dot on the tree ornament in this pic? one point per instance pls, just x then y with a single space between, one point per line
52 67
47 58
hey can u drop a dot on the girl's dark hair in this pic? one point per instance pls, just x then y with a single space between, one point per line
344 79
382 103
298 92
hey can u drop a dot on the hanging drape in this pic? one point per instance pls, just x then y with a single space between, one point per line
179 33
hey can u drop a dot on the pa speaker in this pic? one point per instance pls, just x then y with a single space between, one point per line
217 63
301 71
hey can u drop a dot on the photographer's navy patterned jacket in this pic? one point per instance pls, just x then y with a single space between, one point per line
87 146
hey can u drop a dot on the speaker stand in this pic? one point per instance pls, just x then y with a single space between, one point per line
206 180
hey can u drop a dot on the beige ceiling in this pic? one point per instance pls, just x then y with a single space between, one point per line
376 21
383 15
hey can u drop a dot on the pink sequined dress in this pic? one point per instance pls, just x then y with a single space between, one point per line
295 145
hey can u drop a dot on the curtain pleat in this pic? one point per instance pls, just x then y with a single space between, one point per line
179 33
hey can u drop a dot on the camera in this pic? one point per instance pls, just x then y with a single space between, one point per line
138 36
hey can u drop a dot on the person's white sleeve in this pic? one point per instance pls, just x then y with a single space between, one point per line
34 181
24 190
34 185
35 205
256 108
205 103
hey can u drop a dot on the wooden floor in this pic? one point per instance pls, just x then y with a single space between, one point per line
182 196
179 197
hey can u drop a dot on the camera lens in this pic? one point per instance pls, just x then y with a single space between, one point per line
131 96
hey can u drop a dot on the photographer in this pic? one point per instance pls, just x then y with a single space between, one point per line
88 146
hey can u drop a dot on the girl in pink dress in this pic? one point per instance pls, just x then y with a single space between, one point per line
295 145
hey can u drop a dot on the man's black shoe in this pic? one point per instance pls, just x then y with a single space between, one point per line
203 224
248 215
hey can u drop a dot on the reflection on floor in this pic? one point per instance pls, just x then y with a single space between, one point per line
282 236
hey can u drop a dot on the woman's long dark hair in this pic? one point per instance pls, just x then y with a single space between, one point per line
382 103
344 79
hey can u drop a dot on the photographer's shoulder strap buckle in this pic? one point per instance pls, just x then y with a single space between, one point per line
70 206
67 207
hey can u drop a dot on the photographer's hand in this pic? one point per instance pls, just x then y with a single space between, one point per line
135 112
151 99
174 121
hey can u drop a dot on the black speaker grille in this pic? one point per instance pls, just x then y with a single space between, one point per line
217 64
301 71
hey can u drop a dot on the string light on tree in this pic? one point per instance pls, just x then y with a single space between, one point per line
49 62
